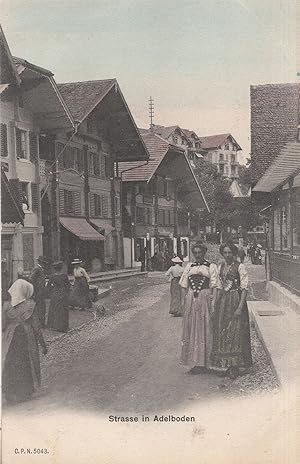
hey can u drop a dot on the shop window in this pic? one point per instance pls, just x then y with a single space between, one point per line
276 228
21 143
285 229
296 224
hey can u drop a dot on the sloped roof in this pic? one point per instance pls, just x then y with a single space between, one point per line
8 71
157 148
160 152
274 122
189 133
83 97
215 141
285 165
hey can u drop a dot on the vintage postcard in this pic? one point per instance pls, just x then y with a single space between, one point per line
150 231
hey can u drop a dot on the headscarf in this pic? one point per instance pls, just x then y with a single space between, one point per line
20 291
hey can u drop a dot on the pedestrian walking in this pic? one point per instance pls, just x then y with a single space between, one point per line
174 273
199 282
38 280
80 293
241 254
59 288
20 338
231 343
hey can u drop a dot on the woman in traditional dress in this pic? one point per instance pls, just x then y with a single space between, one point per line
80 294
59 286
21 336
199 281
174 273
231 345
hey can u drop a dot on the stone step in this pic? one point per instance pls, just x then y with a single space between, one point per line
278 328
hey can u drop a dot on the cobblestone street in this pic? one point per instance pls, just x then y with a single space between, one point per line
128 360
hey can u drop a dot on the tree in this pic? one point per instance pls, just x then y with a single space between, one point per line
216 190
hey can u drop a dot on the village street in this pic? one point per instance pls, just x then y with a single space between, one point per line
128 360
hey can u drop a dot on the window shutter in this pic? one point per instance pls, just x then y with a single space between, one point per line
3 137
34 197
105 210
172 217
80 161
160 217
90 160
92 204
16 187
61 201
18 142
33 147
77 202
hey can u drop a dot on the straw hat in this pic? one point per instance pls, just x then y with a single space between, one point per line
176 260
43 260
76 261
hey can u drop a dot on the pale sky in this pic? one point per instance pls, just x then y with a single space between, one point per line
196 58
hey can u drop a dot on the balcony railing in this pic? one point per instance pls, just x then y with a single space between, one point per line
286 271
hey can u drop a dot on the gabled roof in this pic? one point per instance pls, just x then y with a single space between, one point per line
157 148
190 134
215 141
42 96
8 71
285 165
83 97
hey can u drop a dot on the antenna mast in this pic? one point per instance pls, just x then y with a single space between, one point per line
151 111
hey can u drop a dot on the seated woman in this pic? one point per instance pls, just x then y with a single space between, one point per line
231 344
80 294
199 280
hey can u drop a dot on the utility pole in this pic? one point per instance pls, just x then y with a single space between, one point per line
151 112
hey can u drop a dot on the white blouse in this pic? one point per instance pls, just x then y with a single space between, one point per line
81 272
244 279
211 272
174 271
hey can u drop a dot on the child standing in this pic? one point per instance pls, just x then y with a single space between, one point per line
174 273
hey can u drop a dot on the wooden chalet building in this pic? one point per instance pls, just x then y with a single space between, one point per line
30 105
157 201
82 213
282 182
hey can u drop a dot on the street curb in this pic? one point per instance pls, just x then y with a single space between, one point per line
262 340
108 278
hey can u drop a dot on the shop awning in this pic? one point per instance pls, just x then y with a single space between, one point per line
101 224
81 228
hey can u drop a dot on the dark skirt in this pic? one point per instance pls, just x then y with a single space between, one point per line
80 293
231 336
58 316
18 382
175 302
